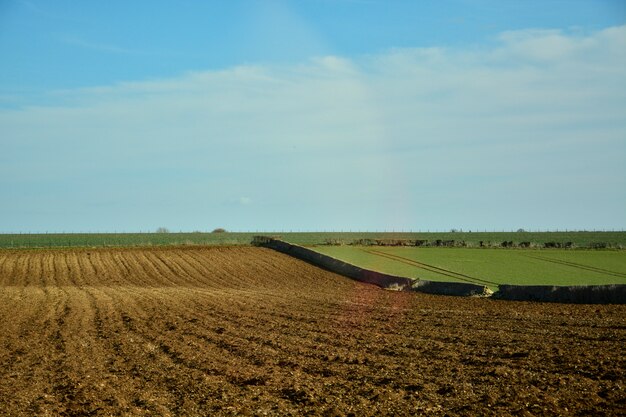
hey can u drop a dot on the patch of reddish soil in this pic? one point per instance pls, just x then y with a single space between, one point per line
248 331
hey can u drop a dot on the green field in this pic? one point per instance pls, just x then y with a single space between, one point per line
580 239
121 239
490 267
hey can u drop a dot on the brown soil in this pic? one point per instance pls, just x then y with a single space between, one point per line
248 331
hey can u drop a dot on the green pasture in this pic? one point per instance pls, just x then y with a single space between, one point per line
580 239
490 267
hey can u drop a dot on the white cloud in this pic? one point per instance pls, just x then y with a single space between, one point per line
375 134
558 47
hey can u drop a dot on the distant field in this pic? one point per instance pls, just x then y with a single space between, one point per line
614 239
121 239
490 267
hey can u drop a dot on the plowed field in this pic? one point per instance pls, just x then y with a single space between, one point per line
247 331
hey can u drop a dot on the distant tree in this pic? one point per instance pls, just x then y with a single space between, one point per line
162 230
520 230
219 230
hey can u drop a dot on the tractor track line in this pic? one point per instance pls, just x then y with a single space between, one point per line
433 268
579 266
416 264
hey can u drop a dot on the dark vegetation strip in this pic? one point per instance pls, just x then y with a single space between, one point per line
579 266
433 268
45 240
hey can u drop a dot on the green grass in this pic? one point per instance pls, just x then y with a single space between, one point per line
490 266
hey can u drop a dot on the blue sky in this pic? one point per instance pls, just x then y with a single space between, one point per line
312 115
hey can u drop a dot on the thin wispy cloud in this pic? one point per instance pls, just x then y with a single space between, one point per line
45 12
101 47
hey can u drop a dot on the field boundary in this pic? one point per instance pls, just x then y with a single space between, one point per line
576 294
368 276
601 240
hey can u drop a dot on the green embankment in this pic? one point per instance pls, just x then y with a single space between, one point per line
490 267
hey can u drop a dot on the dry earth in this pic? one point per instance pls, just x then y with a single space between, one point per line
247 331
